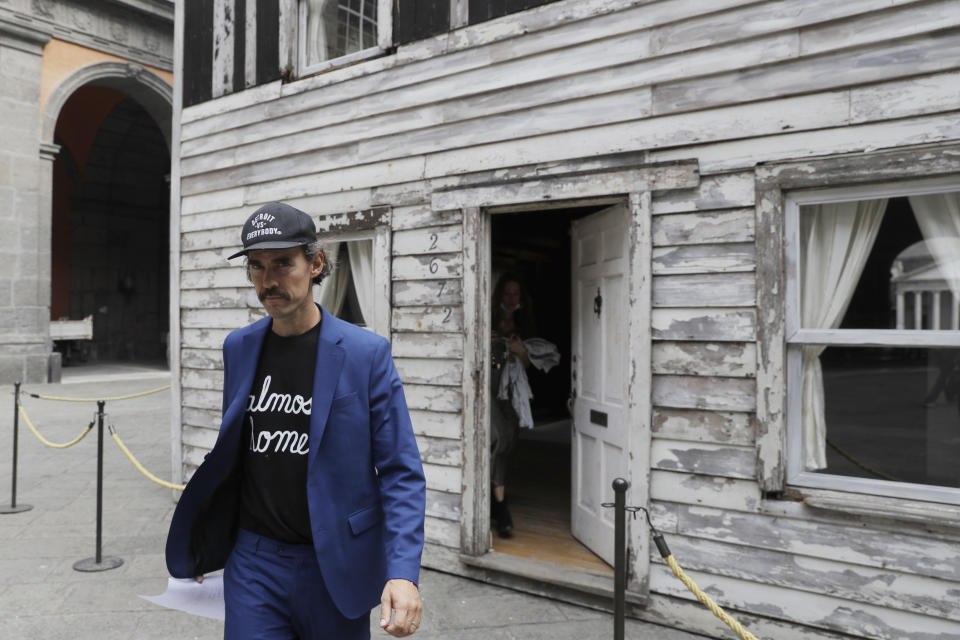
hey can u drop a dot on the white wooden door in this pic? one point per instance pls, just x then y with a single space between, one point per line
600 258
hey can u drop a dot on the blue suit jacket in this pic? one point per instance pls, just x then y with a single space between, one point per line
365 484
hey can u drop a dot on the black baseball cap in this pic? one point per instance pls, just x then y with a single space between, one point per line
276 226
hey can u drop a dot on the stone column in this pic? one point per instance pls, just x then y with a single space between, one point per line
24 224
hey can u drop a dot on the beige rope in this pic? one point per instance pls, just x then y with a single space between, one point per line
140 467
126 397
47 442
706 601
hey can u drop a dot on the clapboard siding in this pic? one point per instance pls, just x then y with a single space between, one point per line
583 86
703 426
808 608
875 586
730 359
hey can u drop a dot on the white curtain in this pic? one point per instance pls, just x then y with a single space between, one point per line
835 241
361 266
321 30
333 290
938 216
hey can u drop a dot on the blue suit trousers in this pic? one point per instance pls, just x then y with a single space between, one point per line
274 591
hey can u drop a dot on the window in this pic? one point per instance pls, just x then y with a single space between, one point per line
358 290
338 32
873 339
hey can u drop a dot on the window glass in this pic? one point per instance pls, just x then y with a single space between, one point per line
336 28
879 397
348 292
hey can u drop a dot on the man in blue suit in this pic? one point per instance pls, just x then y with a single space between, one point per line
312 499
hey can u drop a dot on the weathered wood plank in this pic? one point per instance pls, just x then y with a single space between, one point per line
715 290
206 359
440 451
706 459
759 566
202 379
445 506
231 298
205 418
434 424
430 370
428 240
813 609
732 225
808 535
700 392
234 277
830 140
442 477
199 437
722 493
728 359
439 345
736 325
927 94
428 319
422 215
191 260
716 258
427 292
431 398
879 26
932 52
427 267
569 187
442 531
203 338
201 398
219 318
727 427
724 191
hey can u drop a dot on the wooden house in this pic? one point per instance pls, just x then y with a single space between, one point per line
703 201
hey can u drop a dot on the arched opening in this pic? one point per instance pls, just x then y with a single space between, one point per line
110 228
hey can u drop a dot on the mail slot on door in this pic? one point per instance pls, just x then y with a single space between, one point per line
598 417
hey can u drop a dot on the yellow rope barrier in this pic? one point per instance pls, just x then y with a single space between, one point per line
126 397
140 467
707 601
47 442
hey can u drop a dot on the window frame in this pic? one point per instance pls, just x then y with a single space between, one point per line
369 224
797 337
384 40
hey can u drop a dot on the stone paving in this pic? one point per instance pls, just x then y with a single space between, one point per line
42 596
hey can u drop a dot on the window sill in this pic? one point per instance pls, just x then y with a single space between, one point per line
927 513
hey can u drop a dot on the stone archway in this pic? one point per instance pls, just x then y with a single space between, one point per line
150 96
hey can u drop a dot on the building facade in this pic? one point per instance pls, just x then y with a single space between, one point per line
84 163
706 204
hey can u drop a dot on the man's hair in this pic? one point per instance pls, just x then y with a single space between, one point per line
309 252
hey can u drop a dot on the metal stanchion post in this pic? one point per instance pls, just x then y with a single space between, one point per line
14 507
99 563
619 555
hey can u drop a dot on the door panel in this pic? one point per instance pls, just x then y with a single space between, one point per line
598 379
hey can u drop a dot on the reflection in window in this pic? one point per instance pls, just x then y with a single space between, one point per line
336 28
889 412
349 292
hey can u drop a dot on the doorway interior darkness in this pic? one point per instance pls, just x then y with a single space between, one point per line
109 236
535 247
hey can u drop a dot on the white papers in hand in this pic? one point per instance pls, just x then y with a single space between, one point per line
196 598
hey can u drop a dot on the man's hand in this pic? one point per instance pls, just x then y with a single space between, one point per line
403 599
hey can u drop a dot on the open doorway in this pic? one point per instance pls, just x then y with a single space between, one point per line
535 249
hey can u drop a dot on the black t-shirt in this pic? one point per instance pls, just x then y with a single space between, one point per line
276 439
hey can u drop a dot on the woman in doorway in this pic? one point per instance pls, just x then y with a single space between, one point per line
512 323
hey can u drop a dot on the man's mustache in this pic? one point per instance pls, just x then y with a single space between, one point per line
273 292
